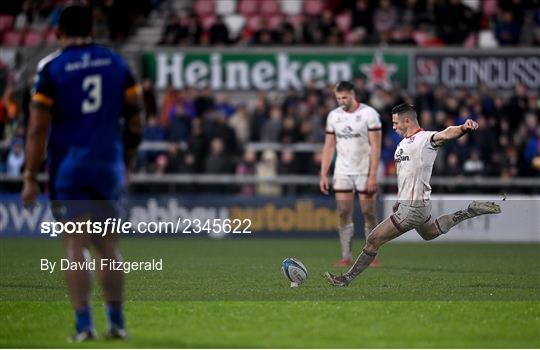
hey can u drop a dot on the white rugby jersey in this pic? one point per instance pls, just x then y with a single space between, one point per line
414 159
352 142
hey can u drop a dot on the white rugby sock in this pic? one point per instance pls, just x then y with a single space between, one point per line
445 222
361 263
345 238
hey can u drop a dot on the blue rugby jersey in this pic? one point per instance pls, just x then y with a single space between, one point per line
85 86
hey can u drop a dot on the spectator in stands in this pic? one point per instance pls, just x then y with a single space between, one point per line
287 164
247 166
24 19
152 132
197 145
450 30
180 127
329 29
311 31
149 98
218 162
203 102
474 166
287 33
267 167
219 32
170 98
223 105
240 122
170 32
363 16
507 30
271 129
174 159
385 18
265 35
289 133
15 159
189 32
259 116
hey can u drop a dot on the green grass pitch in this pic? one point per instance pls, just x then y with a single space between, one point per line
231 293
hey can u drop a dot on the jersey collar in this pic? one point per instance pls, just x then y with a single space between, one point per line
354 109
416 132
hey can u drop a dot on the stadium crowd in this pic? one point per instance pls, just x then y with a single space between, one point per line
207 133
32 22
359 22
426 23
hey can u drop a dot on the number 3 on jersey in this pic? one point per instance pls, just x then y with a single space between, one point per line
91 85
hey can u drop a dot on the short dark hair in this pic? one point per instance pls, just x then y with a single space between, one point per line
344 86
405 109
76 21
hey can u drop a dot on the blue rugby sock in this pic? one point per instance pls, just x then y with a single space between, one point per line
115 314
83 319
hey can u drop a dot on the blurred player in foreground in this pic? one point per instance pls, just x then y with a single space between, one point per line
354 130
414 157
80 96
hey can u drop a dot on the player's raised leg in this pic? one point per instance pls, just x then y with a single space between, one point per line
345 205
445 222
79 283
432 229
112 284
368 203
384 232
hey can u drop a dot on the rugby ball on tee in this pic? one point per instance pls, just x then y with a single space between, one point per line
294 271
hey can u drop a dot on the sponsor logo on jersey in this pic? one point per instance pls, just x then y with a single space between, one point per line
347 133
399 157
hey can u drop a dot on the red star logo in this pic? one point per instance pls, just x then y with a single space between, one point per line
378 72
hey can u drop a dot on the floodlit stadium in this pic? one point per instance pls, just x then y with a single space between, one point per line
161 161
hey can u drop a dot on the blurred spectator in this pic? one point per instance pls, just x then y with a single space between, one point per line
474 166
180 127
239 121
223 105
197 145
271 130
450 30
362 16
385 18
149 97
219 33
453 165
189 31
203 102
247 167
287 164
174 159
259 116
152 132
218 162
170 99
507 30
15 159
265 35
267 167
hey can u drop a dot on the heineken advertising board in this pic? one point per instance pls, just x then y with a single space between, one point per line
279 70
497 70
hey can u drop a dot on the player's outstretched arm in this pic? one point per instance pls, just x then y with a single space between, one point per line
454 132
327 155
